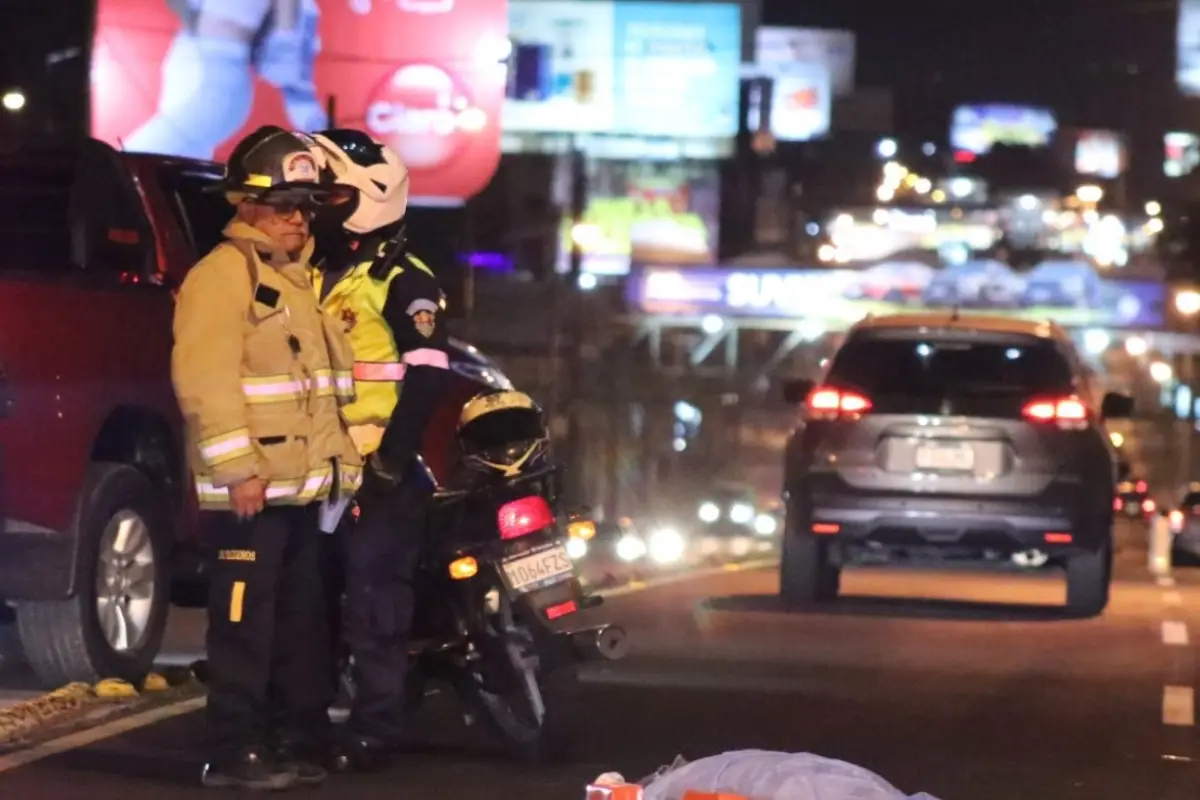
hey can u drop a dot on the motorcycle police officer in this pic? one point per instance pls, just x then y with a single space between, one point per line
390 305
260 373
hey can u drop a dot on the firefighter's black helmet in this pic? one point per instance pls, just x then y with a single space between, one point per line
272 164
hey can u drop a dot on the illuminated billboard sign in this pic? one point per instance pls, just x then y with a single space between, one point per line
1100 153
1187 49
833 50
1181 153
647 211
1070 292
639 69
425 76
978 128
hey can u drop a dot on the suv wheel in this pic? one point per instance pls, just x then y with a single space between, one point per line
113 625
1089 575
807 574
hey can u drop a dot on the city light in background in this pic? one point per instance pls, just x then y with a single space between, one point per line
13 100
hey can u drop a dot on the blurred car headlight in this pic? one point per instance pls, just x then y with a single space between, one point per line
741 513
630 547
576 548
666 546
765 525
709 512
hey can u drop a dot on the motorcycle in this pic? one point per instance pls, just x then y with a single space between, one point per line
497 603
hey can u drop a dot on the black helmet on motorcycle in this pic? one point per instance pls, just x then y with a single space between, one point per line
503 431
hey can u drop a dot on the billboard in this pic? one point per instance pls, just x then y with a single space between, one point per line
1181 153
1187 49
794 97
1100 153
832 49
1070 292
640 69
978 128
425 76
647 211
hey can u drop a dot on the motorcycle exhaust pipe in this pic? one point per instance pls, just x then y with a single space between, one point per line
606 643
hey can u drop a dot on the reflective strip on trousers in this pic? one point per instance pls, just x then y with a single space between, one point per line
217 450
379 371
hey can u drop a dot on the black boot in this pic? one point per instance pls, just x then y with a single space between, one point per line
305 762
252 768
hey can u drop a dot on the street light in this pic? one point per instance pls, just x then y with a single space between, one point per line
1136 346
1161 371
13 100
1187 302
1153 208
1089 193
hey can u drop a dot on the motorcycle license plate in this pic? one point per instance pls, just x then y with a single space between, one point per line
537 569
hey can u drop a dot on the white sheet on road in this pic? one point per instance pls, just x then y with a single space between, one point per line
766 775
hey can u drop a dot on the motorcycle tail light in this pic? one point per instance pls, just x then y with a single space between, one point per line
524 516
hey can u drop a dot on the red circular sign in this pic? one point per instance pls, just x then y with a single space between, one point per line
425 114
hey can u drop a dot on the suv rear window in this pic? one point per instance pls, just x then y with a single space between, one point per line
1191 499
932 376
202 213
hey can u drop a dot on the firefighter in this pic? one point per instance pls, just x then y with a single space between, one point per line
260 373
390 305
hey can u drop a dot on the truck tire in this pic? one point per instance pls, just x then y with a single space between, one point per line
806 573
1089 576
122 531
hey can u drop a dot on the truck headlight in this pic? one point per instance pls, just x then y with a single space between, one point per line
666 546
630 547
710 512
741 513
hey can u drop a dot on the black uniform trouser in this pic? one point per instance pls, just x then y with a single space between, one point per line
381 553
268 654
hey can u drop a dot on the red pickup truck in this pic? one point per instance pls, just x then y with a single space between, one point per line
97 517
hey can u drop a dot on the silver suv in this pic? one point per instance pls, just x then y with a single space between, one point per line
935 438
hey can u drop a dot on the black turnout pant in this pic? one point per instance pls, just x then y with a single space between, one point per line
381 554
269 662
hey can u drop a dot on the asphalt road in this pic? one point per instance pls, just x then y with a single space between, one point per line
967 686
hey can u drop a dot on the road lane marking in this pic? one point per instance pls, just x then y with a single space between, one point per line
1165 581
1174 632
1179 706
1173 598
74 741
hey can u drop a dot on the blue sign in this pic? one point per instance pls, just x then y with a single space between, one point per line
637 69
1069 292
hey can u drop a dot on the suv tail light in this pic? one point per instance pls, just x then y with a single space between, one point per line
524 516
1141 487
828 402
1068 412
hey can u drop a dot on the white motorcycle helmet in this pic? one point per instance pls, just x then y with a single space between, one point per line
355 159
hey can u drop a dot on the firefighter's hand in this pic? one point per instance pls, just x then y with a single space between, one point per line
248 498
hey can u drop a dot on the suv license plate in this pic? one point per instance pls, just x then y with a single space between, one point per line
950 457
545 566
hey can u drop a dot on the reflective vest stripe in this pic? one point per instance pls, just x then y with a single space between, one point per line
221 449
379 371
427 357
315 485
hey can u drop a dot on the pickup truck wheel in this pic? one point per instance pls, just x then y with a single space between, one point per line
114 624
806 573
1089 576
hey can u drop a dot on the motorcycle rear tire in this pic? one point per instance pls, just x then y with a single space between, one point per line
510 719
